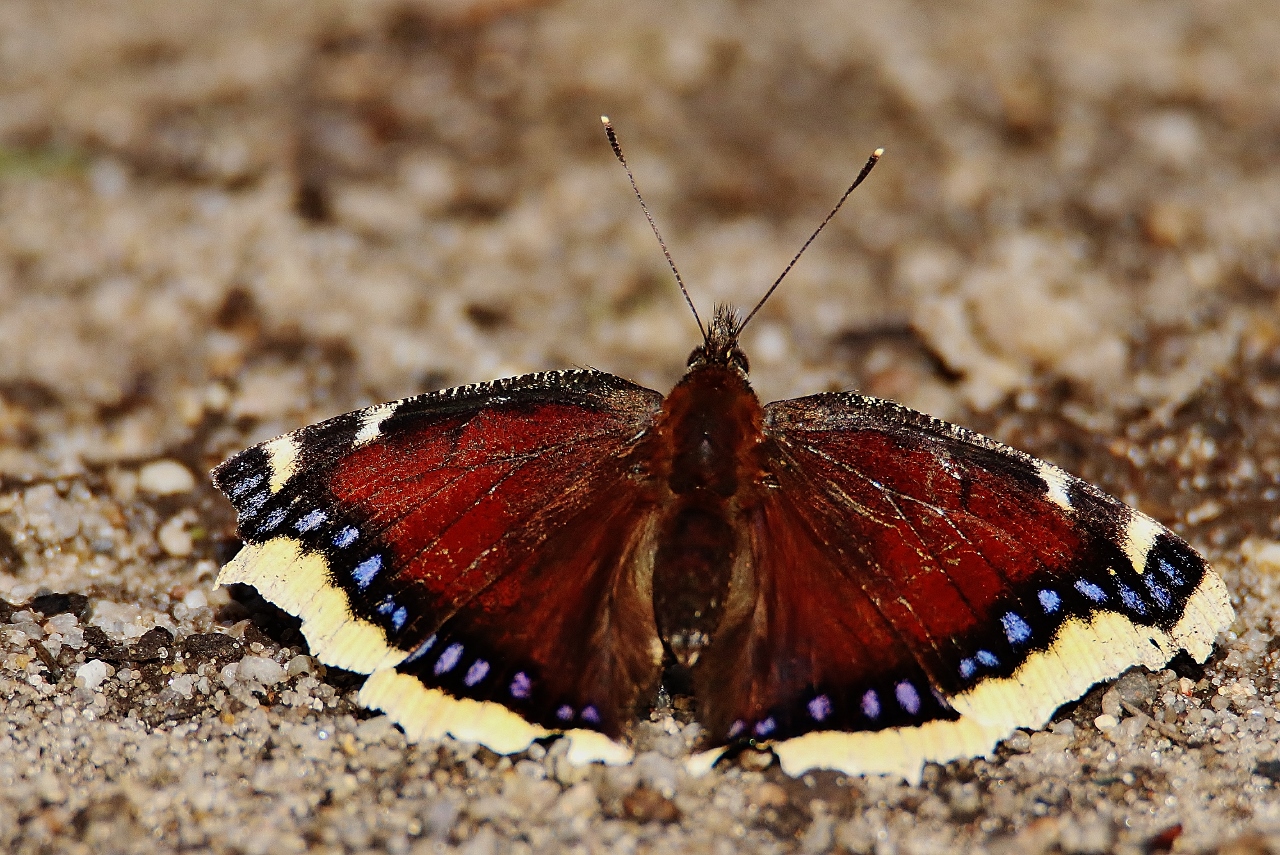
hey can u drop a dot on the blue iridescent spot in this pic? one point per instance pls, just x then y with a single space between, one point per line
1015 628
310 521
1158 592
1131 600
398 617
766 727
366 570
871 704
565 713
448 659
820 708
420 650
273 519
1173 573
1091 590
387 606
253 504
590 715
987 659
246 485
476 672
1049 600
346 537
908 697
735 729
968 668
521 685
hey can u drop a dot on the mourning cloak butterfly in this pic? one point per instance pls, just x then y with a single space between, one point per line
855 584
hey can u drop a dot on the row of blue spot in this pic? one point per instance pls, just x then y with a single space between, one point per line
589 714
239 489
521 686
1019 632
905 693
252 506
1016 630
1130 598
310 521
398 614
820 709
363 573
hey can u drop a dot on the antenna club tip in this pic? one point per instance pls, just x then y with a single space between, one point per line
604 120
878 153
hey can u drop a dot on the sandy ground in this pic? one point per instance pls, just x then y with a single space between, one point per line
222 221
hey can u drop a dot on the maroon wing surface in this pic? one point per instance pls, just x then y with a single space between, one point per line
494 535
898 564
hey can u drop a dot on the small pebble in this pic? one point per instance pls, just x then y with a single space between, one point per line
1111 703
50 789
966 799
1019 741
91 674
300 664
266 671
54 518
166 478
578 801
373 729
1049 743
1105 722
484 843
820 836
657 771
1130 729
1090 835
174 537
769 794
646 805
183 685
1135 687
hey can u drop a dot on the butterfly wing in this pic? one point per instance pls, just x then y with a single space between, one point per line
479 551
916 591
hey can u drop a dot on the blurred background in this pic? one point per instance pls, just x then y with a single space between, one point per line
266 212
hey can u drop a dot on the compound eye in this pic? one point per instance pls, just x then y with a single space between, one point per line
699 355
739 359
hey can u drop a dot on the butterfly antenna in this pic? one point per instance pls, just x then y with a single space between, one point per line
617 152
866 169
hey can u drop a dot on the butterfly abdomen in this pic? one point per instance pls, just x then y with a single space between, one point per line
710 429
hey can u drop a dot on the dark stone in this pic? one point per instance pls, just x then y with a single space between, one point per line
1269 769
61 604
213 647
647 805
99 646
155 645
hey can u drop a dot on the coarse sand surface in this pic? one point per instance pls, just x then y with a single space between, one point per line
222 221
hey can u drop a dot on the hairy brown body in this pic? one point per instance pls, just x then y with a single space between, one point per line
710 430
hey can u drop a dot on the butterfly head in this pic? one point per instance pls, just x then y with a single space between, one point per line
720 343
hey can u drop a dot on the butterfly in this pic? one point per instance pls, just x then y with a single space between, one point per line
856 585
